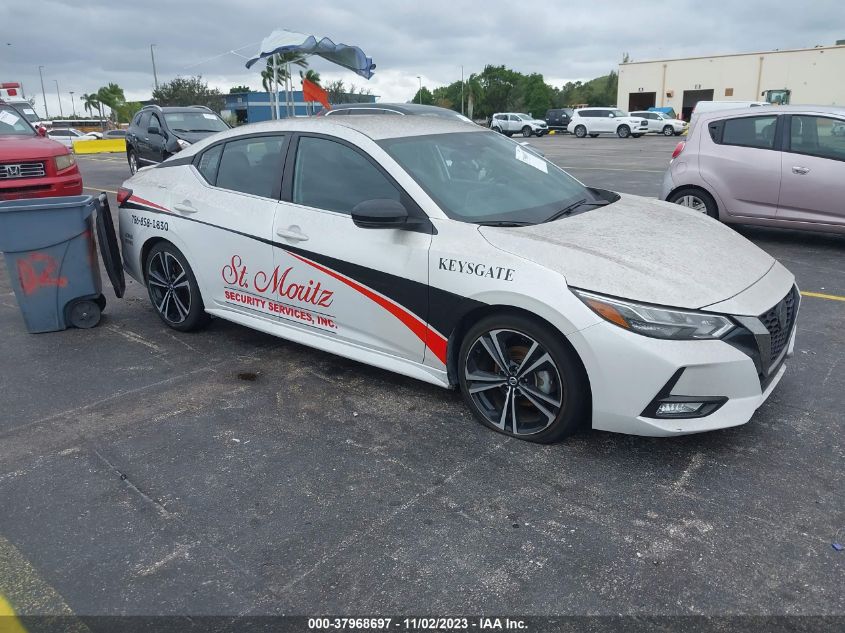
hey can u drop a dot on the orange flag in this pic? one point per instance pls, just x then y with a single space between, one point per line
313 92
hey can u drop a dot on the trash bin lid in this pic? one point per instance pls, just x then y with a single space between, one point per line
35 223
109 250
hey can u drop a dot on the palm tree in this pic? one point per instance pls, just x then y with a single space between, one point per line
474 91
112 96
311 75
90 102
277 66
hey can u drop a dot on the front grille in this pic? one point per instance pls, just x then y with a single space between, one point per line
779 321
9 171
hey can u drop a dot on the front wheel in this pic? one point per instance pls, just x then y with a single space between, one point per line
668 131
498 130
697 200
636 135
526 132
623 131
133 162
519 377
173 289
594 135
580 131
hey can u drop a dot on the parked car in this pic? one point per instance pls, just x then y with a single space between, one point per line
558 118
394 108
113 134
66 136
838 129
510 123
713 106
773 165
451 254
659 123
157 133
595 121
31 165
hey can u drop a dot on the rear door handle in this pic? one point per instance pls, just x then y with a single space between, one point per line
800 170
184 207
293 233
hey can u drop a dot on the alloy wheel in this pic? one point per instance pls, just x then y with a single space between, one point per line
668 131
133 163
693 202
514 382
169 287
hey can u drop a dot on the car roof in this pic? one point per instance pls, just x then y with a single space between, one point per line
405 108
742 110
373 126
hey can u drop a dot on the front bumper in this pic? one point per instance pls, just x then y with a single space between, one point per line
629 372
44 187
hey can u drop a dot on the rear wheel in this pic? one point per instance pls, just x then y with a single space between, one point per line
697 200
594 135
133 162
636 135
520 378
668 130
580 131
173 288
497 129
526 131
623 131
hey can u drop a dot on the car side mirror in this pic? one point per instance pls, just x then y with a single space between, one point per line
41 130
380 213
154 129
611 115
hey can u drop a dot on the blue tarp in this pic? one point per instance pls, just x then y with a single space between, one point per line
282 41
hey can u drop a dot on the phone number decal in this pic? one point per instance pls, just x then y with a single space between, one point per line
149 223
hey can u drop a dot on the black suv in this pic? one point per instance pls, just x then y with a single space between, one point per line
558 118
157 133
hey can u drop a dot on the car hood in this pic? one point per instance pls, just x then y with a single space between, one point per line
29 148
641 249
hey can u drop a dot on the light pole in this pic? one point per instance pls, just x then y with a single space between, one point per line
419 92
153 57
59 97
462 89
72 104
43 92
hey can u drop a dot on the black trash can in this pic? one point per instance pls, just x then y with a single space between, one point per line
51 257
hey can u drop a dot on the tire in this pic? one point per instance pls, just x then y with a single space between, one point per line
173 289
594 135
580 131
84 313
697 200
547 402
526 131
133 162
623 131
636 135
668 130
508 134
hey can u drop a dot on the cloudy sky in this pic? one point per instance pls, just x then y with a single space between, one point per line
85 44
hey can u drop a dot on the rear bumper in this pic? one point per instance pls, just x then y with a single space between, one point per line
46 187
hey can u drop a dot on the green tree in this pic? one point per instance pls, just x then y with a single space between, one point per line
423 96
185 91
90 103
340 93
473 93
311 75
497 83
530 94
238 89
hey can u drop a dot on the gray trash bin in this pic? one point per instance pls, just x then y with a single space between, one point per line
51 258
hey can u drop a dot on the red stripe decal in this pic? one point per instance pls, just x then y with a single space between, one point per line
135 198
433 339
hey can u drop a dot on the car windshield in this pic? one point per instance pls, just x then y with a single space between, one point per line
13 124
27 111
194 122
484 177
523 117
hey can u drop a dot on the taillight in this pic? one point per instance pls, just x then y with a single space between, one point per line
678 149
123 194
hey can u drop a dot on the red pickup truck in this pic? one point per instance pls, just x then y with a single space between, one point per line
31 165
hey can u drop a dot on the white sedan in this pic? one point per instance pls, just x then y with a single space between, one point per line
662 123
66 136
448 253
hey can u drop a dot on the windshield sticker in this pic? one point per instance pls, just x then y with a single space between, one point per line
210 116
479 270
531 159
7 117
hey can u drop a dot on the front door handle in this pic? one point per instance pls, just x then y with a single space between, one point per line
293 233
800 170
184 207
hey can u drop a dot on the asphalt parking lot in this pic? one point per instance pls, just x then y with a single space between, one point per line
146 472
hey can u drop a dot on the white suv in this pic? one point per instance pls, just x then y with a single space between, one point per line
510 123
595 121
662 123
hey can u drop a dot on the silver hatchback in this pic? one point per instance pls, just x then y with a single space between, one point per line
776 166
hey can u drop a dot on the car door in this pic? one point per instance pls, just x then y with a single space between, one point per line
813 171
229 202
155 140
740 158
363 287
603 121
655 121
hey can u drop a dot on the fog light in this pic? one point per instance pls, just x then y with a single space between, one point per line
679 408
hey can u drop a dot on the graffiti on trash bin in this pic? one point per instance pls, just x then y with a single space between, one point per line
37 271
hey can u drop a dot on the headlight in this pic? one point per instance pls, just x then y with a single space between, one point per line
182 144
65 161
648 320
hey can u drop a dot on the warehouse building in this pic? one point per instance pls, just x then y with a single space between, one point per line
807 75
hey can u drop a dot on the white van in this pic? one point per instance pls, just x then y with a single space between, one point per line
711 106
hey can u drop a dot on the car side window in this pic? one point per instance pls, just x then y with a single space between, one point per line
332 176
144 122
818 136
208 163
750 131
154 122
252 165
137 120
